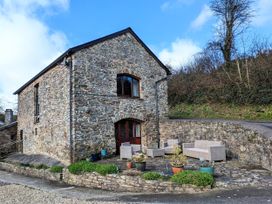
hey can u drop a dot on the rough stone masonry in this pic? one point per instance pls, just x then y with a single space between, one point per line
78 99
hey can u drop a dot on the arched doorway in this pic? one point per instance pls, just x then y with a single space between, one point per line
127 130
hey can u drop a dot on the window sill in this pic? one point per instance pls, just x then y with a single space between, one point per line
130 98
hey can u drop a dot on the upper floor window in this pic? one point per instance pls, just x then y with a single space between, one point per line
127 86
36 103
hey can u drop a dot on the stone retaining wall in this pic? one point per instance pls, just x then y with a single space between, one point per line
32 172
248 145
112 182
118 182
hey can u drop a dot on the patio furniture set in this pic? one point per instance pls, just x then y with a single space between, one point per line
201 149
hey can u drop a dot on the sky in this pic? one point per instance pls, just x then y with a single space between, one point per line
35 32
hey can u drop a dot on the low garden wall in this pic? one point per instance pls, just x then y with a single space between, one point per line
119 182
246 144
32 172
112 182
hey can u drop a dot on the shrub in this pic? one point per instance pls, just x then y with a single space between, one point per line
85 166
80 167
56 169
41 166
105 169
152 176
193 177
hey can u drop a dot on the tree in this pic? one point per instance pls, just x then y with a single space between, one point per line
234 17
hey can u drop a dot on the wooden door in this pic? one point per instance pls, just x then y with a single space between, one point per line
127 131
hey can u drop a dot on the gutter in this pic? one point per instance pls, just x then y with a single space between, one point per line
69 64
157 108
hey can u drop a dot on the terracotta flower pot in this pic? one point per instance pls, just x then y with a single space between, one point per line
176 170
129 165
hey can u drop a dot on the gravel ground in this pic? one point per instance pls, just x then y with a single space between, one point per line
18 194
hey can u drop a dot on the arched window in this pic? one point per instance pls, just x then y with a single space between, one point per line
127 86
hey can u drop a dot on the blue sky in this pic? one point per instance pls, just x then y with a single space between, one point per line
35 32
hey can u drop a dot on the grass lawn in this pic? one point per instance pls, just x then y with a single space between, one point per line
222 111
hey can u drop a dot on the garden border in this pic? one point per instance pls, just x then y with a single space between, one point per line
111 182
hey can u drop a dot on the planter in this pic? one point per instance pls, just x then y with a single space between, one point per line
103 152
176 170
129 165
95 157
141 166
209 170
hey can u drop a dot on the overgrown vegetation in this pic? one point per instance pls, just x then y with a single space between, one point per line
56 169
223 111
230 70
152 176
85 166
193 177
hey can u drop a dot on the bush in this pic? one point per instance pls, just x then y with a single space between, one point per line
105 169
81 166
56 169
85 166
193 177
152 176
41 166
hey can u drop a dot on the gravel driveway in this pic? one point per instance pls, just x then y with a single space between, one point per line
18 194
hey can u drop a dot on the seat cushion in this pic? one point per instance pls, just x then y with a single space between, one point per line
197 150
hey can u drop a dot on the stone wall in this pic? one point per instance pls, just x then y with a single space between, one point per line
117 182
32 172
241 142
8 135
96 105
51 135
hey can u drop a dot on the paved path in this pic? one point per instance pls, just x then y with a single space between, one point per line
247 195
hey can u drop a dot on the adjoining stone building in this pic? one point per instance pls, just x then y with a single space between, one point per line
102 93
8 134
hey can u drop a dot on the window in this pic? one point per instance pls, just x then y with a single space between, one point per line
36 104
21 135
127 86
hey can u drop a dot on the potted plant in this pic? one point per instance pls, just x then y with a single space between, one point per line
140 161
129 164
206 166
178 161
103 149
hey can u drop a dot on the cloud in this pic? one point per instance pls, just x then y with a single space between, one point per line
202 18
168 5
27 43
180 53
263 14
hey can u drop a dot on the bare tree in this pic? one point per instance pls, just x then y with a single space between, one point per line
234 17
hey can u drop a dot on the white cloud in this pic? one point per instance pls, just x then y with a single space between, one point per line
27 43
263 14
180 53
168 5
202 18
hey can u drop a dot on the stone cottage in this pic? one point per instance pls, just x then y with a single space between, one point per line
101 93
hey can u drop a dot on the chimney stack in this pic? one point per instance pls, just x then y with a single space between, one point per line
8 116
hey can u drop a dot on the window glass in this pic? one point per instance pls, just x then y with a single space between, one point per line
138 130
127 85
135 88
